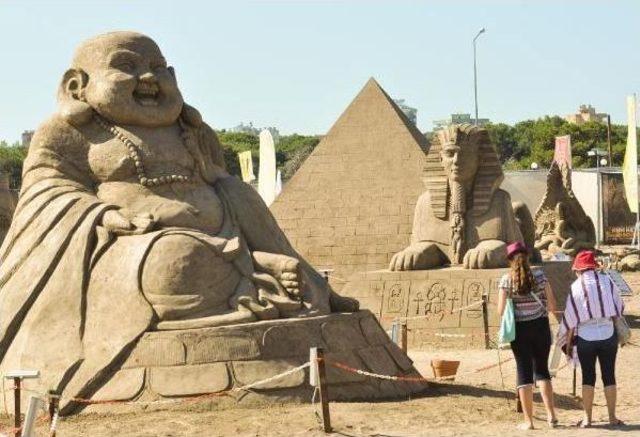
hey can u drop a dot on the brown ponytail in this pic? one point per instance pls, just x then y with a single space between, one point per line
522 279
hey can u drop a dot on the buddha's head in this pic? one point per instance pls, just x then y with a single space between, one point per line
124 78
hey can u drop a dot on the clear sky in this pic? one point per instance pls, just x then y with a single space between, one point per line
297 64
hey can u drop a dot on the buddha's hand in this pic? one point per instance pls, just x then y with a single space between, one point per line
489 254
118 224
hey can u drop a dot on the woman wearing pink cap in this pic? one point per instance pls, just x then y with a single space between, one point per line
532 300
591 306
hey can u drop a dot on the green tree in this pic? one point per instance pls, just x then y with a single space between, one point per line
11 159
534 141
289 147
292 151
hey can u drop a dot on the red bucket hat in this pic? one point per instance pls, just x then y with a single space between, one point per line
515 248
585 260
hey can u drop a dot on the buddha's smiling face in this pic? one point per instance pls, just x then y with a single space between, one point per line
128 80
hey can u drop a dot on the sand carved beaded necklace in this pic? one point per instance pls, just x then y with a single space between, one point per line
136 155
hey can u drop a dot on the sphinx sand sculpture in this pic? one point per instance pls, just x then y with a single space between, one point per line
463 217
561 224
128 227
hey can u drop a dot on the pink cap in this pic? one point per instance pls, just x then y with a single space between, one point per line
515 248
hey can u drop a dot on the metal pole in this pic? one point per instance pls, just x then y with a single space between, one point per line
635 110
598 233
475 74
475 80
609 140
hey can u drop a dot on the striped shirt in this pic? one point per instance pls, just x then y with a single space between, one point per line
593 295
526 307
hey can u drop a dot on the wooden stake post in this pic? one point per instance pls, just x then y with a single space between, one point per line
485 321
318 378
17 381
403 336
54 400
17 376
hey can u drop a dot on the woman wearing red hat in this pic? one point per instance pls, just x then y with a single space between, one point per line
591 307
532 300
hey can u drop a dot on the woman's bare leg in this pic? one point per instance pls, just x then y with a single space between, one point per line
546 390
611 394
587 403
526 398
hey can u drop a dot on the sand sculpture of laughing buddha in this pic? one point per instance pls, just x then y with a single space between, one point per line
128 222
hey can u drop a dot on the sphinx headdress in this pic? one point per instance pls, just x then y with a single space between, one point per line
488 177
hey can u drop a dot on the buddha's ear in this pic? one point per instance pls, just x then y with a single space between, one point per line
71 98
172 71
73 84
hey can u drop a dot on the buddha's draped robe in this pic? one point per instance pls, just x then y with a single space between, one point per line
53 318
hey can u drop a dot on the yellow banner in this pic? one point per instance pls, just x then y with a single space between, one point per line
630 165
246 166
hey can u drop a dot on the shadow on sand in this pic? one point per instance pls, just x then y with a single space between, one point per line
563 401
633 321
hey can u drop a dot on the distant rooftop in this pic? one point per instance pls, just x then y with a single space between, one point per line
586 113
459 118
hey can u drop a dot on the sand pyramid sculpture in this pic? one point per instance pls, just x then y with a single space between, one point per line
350 205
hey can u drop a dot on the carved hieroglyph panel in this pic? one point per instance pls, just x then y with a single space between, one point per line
473 291
434 301
395 299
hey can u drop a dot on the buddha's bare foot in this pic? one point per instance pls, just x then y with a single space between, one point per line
282 267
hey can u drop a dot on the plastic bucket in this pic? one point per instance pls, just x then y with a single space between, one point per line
445 369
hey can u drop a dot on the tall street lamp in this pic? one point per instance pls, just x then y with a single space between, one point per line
475 71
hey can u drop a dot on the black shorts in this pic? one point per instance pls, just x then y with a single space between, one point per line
531 350
605 352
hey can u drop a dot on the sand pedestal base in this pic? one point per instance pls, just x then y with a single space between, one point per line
170 365
430 300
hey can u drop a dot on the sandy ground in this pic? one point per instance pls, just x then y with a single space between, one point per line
480 404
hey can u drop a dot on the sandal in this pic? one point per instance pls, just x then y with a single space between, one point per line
552 423
583 424
617 424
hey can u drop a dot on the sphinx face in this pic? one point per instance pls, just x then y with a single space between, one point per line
130 83
460 163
